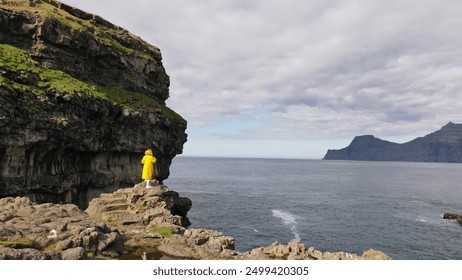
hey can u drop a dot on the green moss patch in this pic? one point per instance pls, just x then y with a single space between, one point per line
162 230
20 72
21 243
52 247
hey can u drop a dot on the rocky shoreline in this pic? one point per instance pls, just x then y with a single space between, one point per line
127 223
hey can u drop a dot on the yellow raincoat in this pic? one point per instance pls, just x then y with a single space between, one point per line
148 162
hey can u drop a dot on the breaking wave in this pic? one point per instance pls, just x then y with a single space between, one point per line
288 219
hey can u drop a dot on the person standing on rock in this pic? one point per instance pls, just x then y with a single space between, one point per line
148 162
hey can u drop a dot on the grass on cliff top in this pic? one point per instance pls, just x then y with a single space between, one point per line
18 71
101 34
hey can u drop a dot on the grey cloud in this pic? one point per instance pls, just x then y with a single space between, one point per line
314 68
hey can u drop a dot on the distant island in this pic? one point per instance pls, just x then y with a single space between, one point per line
444 145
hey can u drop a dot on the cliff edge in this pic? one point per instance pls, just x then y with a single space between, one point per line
444 145
81 100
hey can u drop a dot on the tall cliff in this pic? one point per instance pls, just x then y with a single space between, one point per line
444 145
80 101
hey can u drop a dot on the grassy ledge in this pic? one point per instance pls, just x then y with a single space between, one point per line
20 72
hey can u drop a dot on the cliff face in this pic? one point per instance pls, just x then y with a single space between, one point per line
83 45
444 145
80 101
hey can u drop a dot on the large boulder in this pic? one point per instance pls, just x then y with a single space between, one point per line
199 244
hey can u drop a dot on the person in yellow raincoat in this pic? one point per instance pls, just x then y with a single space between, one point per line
148 162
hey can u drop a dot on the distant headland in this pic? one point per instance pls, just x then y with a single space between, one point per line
444 145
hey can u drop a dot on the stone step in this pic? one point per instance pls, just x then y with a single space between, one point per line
113 207
117 194
122 217
113 200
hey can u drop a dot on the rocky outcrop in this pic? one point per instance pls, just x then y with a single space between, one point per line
112 226
52 231
444 145
138 208
199 244
156 217
80 101
296 250
208 244
450 216
7 253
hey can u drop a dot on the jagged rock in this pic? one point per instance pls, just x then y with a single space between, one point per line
450 216
296 250
26 254
146 216
68 136
443 145
372 254
77 253
199 244
52 231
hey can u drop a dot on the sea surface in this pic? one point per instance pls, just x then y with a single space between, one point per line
350 206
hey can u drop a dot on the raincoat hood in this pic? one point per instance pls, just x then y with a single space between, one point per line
148 152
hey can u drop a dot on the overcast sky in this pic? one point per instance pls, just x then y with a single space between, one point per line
294 78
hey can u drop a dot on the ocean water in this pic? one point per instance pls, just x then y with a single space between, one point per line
350 206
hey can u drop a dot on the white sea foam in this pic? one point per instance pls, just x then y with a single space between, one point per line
288 219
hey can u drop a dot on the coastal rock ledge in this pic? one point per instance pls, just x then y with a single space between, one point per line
130 221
